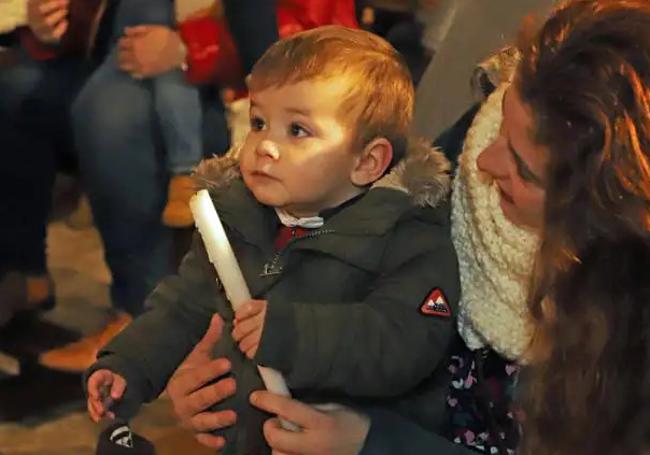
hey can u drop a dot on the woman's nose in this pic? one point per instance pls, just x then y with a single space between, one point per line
493 160
268 148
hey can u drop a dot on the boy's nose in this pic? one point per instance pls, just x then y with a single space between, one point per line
268 148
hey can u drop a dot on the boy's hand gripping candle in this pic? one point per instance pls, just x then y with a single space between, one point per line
225 263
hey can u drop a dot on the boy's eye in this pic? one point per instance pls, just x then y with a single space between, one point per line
257 124
297 130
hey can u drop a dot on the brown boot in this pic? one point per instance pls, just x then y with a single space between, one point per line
177 213
79 356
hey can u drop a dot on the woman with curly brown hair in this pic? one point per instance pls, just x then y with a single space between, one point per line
566 201
586 80
553 189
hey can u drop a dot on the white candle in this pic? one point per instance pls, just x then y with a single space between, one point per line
225 263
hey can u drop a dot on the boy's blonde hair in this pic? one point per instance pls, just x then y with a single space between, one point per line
380 97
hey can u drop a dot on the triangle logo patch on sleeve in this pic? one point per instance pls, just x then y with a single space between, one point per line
436 305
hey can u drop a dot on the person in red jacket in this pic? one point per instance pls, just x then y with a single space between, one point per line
213 56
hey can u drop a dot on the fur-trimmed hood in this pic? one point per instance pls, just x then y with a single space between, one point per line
423 174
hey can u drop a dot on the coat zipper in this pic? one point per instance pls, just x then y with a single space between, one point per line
273 267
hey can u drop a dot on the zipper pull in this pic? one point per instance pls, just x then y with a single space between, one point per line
272 267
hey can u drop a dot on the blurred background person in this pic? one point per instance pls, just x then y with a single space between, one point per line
50 48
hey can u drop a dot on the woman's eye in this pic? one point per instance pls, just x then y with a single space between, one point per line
298 131
257 124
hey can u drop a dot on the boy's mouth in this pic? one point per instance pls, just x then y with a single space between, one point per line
262 174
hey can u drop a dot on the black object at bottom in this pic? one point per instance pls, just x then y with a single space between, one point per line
118 439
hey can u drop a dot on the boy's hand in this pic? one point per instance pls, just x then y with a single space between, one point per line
104 387
249 323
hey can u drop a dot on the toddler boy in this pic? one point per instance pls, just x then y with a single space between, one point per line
342 235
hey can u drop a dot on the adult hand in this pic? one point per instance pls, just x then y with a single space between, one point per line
338 430
192 392
149 50
48 19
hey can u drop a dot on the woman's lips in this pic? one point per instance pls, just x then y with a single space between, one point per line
506 197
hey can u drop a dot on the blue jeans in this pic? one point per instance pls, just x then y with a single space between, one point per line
122 161
178 107
35 132
176 102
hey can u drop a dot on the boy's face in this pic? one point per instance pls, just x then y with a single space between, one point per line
298 155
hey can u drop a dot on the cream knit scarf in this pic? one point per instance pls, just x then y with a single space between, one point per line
495 256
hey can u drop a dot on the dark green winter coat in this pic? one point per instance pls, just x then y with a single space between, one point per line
344 321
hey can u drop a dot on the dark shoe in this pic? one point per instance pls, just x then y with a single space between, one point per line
118 439
24 295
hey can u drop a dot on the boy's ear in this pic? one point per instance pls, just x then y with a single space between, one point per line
372 162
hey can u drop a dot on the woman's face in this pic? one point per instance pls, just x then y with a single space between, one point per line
517 164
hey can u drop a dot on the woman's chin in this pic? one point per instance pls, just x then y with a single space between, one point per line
509 212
